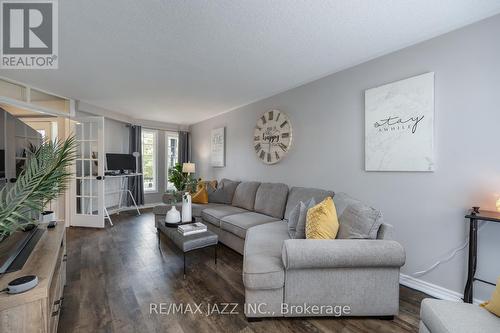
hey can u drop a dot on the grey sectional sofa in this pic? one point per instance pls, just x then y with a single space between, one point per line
300 277
439 316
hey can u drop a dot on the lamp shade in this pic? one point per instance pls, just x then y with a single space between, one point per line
188 168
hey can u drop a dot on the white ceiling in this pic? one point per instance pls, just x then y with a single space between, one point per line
183 61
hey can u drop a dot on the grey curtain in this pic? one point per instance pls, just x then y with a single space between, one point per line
135 184
184 151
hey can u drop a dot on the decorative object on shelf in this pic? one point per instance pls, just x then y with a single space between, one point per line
44 178
218 147
186 207
22 284
47 216
173 215
399 125
192 228
272 136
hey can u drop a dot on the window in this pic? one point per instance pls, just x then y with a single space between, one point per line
42 133
172 157
149 153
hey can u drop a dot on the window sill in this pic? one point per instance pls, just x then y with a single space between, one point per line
151 192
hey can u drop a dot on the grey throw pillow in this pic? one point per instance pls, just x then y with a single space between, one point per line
359 221
224 192
293 218
300 229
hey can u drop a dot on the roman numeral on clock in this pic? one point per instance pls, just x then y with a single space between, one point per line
268 158
262 155
284 123
263 118
257 147
276 154
271 115
282 146
285 135
278 117
256 138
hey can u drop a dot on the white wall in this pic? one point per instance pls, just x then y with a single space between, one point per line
116 137
426 209
116 140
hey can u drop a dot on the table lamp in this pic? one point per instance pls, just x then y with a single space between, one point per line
188 168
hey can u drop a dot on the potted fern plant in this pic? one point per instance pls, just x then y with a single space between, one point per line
45 176
181 180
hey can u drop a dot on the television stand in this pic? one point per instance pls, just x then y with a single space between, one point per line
37 310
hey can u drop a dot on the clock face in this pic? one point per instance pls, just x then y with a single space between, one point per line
272 136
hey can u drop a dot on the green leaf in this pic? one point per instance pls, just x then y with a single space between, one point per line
44 178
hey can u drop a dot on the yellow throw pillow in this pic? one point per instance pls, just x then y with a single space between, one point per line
493 305
322 221
201 196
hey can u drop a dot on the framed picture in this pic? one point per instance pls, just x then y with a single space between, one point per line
399 125
218 147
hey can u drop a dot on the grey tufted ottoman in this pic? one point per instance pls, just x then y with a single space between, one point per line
188 243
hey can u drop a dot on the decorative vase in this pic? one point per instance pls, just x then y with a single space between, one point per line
47 216
186 207
173 215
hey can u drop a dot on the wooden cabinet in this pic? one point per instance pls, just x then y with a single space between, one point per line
37 310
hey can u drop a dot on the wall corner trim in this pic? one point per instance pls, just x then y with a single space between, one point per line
432 289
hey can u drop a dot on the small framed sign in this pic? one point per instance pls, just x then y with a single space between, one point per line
218 147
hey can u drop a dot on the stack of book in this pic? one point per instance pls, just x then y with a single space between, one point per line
192 228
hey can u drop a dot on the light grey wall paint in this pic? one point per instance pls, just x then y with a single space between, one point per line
116 137
426 209
116 140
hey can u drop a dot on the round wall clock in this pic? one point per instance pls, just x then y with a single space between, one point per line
272 136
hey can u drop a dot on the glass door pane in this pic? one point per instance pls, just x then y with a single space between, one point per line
86 195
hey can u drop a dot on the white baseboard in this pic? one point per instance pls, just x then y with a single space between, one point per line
432 289
129 208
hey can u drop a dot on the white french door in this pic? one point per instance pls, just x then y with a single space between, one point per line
87 187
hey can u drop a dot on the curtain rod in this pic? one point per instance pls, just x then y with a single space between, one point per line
155 128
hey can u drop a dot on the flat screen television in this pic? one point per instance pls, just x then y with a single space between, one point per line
16 249
120 162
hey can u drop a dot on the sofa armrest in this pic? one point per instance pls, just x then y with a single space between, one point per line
161 209
341 253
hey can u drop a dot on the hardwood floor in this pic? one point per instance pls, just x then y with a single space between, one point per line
114 274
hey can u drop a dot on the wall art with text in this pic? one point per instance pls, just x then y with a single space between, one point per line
218 147
399 125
